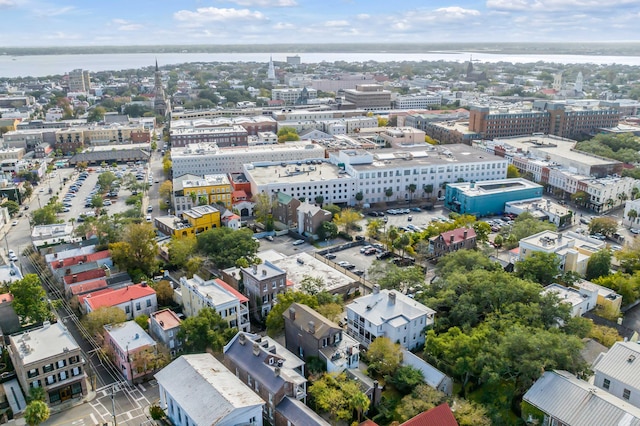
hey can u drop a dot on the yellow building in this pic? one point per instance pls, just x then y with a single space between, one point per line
194 221
202 218
210 189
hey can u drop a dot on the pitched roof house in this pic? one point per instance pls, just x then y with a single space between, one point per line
134 300
451 241
618 371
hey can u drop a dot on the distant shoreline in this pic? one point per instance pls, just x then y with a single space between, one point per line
595 49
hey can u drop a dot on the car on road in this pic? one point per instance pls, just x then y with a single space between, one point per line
66 210
12 256
359 272
41 190
635 231
107 203
26 207
149 218
269 238
330 256
149 209
14 223
298 242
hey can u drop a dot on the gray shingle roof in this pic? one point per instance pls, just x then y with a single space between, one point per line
299 414
575 402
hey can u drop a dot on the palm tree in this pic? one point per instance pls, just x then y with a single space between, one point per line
428 189
388 192
635 191
610 202
411 188
632 215
622 197
360 402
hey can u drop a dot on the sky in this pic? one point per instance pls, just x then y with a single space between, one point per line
26 23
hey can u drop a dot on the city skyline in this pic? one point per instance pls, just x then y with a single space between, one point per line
30 23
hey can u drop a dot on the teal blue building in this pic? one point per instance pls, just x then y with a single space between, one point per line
487 197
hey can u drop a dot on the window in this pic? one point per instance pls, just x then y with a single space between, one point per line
32 373
626 394
76 371
606 383
62 375
127 309
62 363
47 368
148 303
138 307
51 380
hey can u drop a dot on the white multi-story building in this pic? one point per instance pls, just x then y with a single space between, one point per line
54 114
581 300
401 170
199 390
417 101
291 95
391 314
573 249
617 371
207 158
230 304
302 180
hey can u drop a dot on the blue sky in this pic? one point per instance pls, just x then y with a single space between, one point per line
139 22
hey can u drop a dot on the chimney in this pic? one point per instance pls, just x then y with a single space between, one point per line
242 339
376 289
392 297
256 349
60 263
264 272
465 234
292 314
255 269
452 238
312 327
276 371
74 278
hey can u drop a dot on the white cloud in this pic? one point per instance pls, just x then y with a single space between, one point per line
7 3
204 15
124 25
456 12
283 26
363 16
556 5
339 23
265 3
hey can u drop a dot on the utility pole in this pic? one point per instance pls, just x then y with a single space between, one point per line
113 404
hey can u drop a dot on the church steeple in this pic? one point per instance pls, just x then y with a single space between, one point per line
160 104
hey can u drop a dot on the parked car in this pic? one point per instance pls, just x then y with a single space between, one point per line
298 242
14 223
359 238
635 231
269 238
365 248
149 209
107 203
330 256
358 272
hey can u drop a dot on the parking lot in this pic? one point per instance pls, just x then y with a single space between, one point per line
77 203
284 245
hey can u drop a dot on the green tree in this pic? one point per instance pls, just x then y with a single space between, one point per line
312 285
30 300
468 413
384 356
97 201
388 192
423 398
106 179
373 228
406 378
207 330
137 249
603 225
319 200
37 394
180 249
599 264
411 189
46 215
627 286
339 396
275 321
347 219
464 261
580 197
483 229
95 320
359 196
224 246
394 277
327 230
143 321
286 134
96 114
332 208
512 172
631 215
12 207
263 208
539 267
428 189
193 265
164 292
36 413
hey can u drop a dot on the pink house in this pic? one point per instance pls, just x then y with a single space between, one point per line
131 346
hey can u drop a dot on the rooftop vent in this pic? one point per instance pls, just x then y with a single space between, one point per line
631 358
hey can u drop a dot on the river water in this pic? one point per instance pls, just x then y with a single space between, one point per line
44 65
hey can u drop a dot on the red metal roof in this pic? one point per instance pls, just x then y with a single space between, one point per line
70 261
84 276
241 297
121 295
437 416
87 287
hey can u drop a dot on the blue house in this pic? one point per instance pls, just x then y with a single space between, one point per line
487 198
